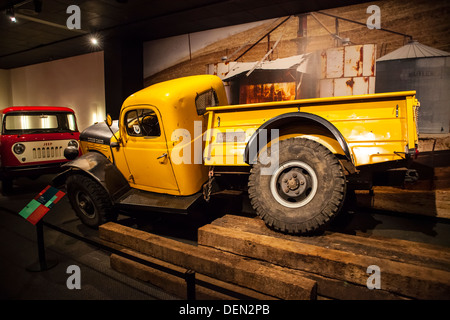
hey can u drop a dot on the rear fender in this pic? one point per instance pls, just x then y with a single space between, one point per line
289 119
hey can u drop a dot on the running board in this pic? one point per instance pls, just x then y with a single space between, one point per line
150 201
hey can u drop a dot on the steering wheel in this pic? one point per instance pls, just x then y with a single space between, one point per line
149 122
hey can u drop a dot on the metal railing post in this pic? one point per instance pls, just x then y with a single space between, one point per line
190 284
42 264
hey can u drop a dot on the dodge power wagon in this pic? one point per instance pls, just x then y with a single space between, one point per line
179 141
33 141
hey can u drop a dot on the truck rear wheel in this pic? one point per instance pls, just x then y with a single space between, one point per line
303 192
89 200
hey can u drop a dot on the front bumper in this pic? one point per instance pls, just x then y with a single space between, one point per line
30 171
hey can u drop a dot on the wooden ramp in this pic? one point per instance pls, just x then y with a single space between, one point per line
217 264
433 203
243 254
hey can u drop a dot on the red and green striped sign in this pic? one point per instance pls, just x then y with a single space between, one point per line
41 204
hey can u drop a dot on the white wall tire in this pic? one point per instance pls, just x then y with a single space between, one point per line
316 202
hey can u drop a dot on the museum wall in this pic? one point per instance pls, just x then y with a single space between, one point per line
5 88
76 82
426 21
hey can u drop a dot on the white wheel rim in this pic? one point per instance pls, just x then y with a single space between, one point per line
274 184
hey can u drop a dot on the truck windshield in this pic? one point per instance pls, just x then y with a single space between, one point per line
31 122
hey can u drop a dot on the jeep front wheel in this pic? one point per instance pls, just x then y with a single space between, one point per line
303 192
89 200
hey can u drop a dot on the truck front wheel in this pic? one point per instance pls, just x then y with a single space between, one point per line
89 200
303 191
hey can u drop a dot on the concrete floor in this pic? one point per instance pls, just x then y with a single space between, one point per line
18 248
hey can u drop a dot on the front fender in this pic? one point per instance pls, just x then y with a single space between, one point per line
99 168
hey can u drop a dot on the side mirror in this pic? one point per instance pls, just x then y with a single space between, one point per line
109 123
108 120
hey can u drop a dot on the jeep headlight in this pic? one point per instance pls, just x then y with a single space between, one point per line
19 148
73 143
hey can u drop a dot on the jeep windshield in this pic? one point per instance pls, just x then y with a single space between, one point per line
38 122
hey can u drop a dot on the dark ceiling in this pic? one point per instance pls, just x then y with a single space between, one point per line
43 35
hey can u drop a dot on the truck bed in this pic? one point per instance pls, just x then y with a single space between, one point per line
376 127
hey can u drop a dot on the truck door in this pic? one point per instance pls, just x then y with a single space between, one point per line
146 150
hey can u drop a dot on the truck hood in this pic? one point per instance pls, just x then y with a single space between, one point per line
99 133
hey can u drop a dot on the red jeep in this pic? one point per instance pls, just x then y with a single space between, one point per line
33 141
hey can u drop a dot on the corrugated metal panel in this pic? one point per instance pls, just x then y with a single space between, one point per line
360 85
348 70
372 84
334 63
369 55
412 50
352 86
430 77
343 87
353 62
229 70
326 87
346 86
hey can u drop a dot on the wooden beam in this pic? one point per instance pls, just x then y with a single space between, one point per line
214 263
417 253
398 277
175 285
434 203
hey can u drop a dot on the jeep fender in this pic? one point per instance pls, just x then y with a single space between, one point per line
99 168
289 119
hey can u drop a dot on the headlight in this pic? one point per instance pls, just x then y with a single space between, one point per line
19 148
73 143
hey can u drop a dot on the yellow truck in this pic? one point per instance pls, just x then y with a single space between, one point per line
178 142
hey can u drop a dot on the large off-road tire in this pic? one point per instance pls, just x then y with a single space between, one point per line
303 192
89 200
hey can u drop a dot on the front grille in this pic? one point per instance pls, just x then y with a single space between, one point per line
47 153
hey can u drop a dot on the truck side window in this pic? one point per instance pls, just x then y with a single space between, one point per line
204 100
142 123
72 122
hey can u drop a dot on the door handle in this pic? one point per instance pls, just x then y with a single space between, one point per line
162 156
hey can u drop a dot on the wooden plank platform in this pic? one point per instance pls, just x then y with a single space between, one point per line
408 269
421 254
227 267
434 203
177 286
243 255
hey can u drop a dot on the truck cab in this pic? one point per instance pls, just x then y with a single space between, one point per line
155 124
